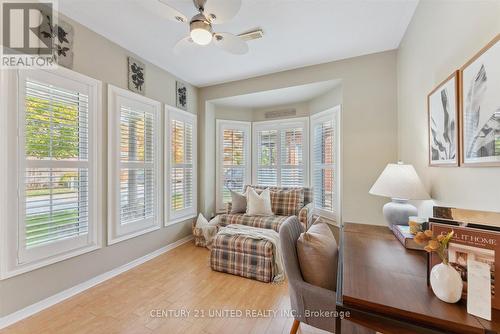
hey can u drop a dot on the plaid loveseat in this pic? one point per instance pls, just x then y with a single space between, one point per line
280 206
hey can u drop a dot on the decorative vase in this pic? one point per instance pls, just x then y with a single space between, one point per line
446 283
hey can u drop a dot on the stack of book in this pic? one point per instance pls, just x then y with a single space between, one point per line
403 234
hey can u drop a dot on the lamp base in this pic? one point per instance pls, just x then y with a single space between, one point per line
398 212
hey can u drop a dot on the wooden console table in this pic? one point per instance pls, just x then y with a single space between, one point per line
384 288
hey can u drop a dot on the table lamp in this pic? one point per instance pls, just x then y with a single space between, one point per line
401 183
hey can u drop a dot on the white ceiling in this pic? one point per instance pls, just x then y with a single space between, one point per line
278 97
297 33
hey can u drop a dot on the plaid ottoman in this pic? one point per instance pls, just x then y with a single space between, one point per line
243 256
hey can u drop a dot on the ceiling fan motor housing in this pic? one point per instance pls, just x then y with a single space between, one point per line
200 30
199 21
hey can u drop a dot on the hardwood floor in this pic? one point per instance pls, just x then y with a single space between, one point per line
178 280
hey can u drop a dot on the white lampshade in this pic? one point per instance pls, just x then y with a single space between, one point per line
399 181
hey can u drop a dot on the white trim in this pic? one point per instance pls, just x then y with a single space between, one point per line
325 115
340 165
280 125
187 213
68 293
220 125
45 255
117 232
4 92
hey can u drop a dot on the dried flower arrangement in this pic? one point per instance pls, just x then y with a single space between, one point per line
437 244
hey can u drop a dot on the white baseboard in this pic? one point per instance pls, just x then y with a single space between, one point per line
59 297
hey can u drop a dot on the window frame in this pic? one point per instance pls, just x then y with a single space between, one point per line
283 124
333 114
118 232
15 259
172 113
221 125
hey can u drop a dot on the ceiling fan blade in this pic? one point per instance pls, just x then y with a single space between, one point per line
230 43
220 11
162 8
183 44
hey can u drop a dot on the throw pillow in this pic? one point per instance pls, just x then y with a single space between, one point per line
287 202
208 229
259 205
284 202
201 221
238 202
318 255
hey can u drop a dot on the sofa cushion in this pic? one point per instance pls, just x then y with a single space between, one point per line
317 253
259 204
270 222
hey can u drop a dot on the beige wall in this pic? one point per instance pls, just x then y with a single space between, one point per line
442 36
233 113
99 58
369 124
301 109
326 101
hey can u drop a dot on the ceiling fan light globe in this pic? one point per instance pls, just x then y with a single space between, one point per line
201 36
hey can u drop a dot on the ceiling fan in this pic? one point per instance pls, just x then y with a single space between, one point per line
200 26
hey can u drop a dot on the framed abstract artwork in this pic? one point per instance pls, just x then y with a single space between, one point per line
136 76
442 107
181 95
480 107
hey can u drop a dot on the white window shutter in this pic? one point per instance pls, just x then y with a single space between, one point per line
56 188
233 159
137 165
134 189
267 164
324 156
292 163
181 162
56 152
281 153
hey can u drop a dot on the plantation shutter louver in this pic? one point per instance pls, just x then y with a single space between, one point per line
182 165
234 161
181 153
267 170
56 173
324 165
281 151
292 164
134 189
137 165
